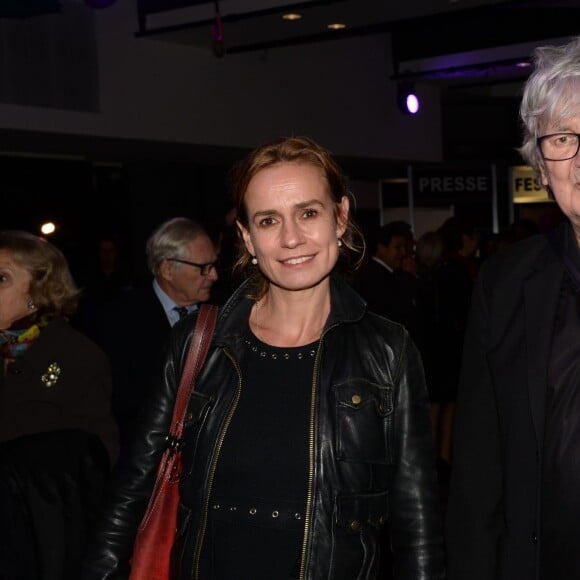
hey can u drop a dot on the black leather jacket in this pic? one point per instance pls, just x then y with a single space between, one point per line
371 454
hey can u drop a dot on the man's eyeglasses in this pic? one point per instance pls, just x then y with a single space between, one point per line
204 269
559 146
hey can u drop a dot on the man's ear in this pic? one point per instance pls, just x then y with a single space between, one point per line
544 176
166 270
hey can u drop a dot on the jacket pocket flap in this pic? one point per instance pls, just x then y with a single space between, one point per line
356 511
360 393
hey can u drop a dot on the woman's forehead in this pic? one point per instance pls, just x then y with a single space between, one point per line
285 183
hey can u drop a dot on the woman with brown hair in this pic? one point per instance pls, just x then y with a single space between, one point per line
308 430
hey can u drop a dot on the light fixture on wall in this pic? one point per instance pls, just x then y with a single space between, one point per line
407 98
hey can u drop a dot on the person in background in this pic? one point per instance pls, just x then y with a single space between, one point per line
514 507
461 246
225 238
454 275
309 426
107 278
381 281
433 345
437 330
522 228
409 261
133 330
58 438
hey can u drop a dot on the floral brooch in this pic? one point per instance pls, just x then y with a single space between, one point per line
50 377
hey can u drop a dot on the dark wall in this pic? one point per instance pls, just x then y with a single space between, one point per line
480 128
88 201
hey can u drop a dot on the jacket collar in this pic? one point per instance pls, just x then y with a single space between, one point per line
345 306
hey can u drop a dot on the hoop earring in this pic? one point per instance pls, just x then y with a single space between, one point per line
339 243
254 260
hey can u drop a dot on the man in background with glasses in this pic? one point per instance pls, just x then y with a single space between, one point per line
514 498
183 260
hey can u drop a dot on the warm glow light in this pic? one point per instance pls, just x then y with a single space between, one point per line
292 16
336 26
47 228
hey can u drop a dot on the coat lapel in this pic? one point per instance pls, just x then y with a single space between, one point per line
541 293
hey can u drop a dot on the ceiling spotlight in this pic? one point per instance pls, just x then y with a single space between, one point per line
336 26
407 98
292 16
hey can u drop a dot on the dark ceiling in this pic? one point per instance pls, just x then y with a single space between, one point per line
439 40
470 48
476 51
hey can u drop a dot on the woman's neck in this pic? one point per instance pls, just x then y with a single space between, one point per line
282 318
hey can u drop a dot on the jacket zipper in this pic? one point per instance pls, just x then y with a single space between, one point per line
310 492
200 537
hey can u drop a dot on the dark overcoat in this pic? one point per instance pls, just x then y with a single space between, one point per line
133 331
493 511
78 398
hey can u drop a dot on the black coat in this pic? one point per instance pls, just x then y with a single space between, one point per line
443 297
80 398
133 331
493 510
51 486
390 294
371 459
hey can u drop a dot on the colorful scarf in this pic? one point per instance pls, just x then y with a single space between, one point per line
14 343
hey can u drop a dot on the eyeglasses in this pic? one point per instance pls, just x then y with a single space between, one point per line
559 146
204 269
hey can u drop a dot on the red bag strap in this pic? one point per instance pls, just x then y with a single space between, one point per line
200 341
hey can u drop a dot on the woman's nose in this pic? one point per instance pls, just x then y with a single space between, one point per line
291 234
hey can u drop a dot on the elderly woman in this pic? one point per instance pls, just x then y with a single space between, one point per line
57 435
514 506
309 429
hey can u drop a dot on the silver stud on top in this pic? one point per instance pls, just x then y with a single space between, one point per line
300 354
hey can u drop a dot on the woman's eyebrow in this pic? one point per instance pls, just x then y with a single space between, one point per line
300 205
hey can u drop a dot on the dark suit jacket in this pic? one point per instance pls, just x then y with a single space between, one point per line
388 294
493 510
133 331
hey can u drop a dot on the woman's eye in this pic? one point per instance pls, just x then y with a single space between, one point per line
268 221
310 213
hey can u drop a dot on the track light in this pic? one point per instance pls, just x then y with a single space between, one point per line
407 98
